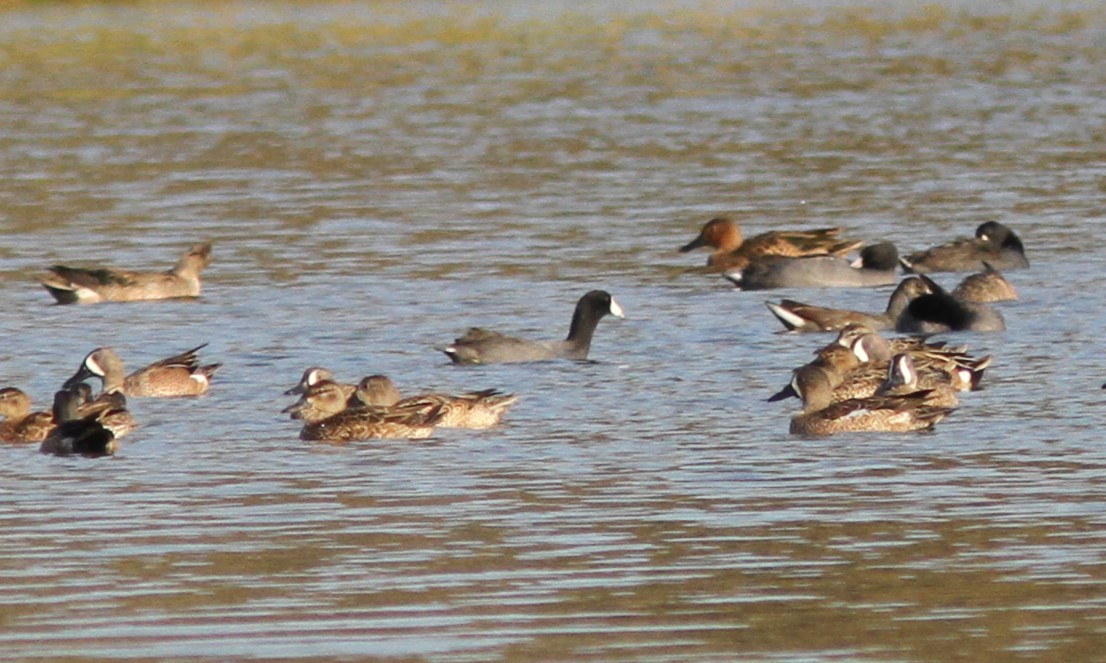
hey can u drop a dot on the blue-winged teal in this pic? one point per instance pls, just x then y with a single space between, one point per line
985 287
993 243
732 251
20 424
75 433
74 285
875 267
476 409
314 375
964 371
800 317
179 375
324 409
481 346
938 311
821 415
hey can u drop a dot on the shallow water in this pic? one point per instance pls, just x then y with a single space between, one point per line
376 179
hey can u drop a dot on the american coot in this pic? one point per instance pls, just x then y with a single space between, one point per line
475 409
74 285
800 317
876 266
179 375
938 311
74 433
985 287
482 346
993 243
732 251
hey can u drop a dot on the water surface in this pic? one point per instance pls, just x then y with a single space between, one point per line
377 178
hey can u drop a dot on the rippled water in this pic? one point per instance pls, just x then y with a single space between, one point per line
378 178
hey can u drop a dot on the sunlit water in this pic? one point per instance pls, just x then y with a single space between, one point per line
377 179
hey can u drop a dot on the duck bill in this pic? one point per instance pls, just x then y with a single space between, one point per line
295 410
80 376
296 390
786 392
694 244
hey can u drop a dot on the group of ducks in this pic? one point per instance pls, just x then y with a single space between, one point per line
863 381
87 424
90 425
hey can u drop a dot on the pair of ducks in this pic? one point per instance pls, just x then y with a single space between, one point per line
374 409
814 258
865 382
82 424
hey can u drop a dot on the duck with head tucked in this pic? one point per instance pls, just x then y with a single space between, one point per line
994 244
483 346
77 285
733 251
875 267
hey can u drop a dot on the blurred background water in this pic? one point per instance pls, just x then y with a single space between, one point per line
377 177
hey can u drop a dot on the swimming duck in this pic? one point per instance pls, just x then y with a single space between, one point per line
74 433
875 267
993 243
476 409
821 415
800 317
20 424
179 375
985 287
482 346
75 285
327 417
732 251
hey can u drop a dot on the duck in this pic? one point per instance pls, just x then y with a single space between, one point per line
964 371
328 418
993 243
939 311
476 409
19 423
732 251
483 346
875 267
77 434
179 375
76 285
821 415
855 379
316 374
799 317
985 287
